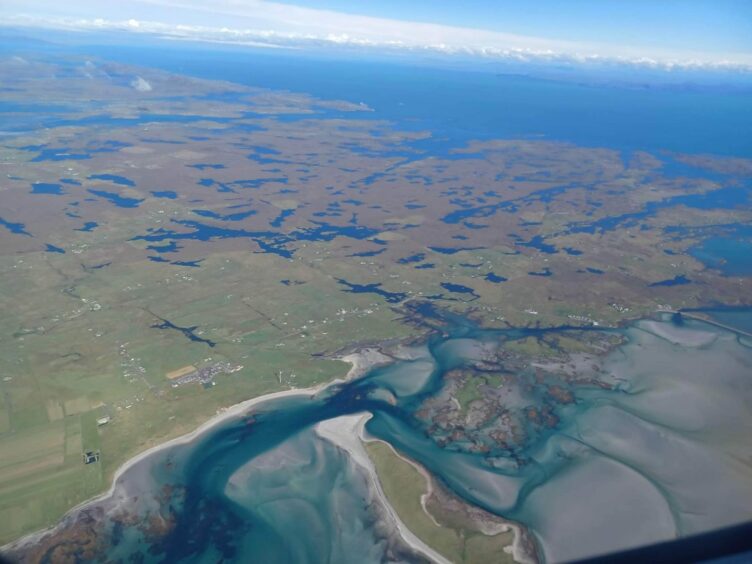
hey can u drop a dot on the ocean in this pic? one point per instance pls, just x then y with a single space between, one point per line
458 106
266 487
653 454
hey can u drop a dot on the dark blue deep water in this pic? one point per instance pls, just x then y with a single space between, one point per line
459 105
456 106
731 253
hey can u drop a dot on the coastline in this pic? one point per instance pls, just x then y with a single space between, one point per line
348 433
361 362
518 550
157 439
220 417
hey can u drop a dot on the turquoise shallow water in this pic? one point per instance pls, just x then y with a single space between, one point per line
659 454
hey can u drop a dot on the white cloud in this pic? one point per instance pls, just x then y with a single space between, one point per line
258 22
141 85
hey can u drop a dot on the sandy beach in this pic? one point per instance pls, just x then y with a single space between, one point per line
361 361
347 432
364 360
517 549
226 414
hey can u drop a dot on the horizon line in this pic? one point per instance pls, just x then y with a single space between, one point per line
525 50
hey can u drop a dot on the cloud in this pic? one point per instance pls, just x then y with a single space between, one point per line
141 85
272 24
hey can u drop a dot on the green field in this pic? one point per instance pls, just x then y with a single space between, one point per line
93 330
452 535
69 363
42 472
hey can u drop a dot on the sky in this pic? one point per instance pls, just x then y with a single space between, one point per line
662 33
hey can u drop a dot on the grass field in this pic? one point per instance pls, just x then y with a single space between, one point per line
451 535
471 389
69 363
84 332
42 473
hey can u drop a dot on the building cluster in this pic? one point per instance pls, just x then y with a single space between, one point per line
582 319
205 375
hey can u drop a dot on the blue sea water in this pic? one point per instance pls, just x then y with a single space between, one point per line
456 106
731 254
737 317
459 105
265 485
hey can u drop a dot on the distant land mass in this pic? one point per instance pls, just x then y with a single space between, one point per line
256 314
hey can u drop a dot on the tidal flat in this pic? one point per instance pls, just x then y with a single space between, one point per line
652 448
249 238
